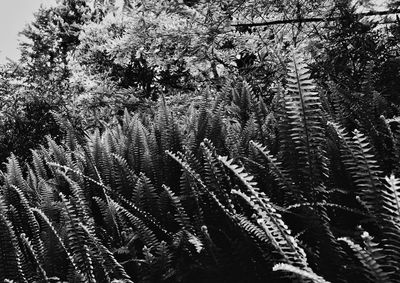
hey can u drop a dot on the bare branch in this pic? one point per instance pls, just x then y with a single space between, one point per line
316 19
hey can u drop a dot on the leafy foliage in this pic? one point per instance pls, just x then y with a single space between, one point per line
241 181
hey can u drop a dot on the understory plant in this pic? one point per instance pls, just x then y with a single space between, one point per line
233 191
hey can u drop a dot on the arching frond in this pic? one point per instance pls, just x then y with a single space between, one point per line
30 254
303 273
390 222
144 232
28 222
358 158
111 267
267 217
375 270
10 267
281 175
392 198
181 215
53 237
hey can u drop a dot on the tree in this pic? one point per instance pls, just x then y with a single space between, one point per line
52 37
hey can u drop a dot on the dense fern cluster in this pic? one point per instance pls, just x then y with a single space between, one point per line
234 191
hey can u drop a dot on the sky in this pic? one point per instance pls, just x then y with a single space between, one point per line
14 15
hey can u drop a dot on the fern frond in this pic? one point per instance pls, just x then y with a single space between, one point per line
268 218
187 240
88 269
181 216
277 232
145 233
198 179
185 166
168 128
215 176
257 234
281 175
124 177
390 222
29 224
30 252
145 195
93 155
109 213
326 204
52 235
14 174
110 264
58 153
358 158
217 130
123 201
300 272
38 164
139 148
190 193
76 240
202 120
144 216
10 266
392 198
306 129
373 268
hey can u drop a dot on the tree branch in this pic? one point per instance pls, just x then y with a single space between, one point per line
316 19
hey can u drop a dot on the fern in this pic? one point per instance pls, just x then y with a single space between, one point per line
28 223
109 214
281 175
392 199
10 266
359 160
53 237
146 234
306 130
198 179
391 223
77 240
181 215
39 166
215 176
258 235
123 175
32 256
57 152
106 190
269 220
373 268
14 175
303 273
149 198
202 120
145 195
109 263
80 199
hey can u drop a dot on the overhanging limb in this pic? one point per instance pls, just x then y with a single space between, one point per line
316 19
